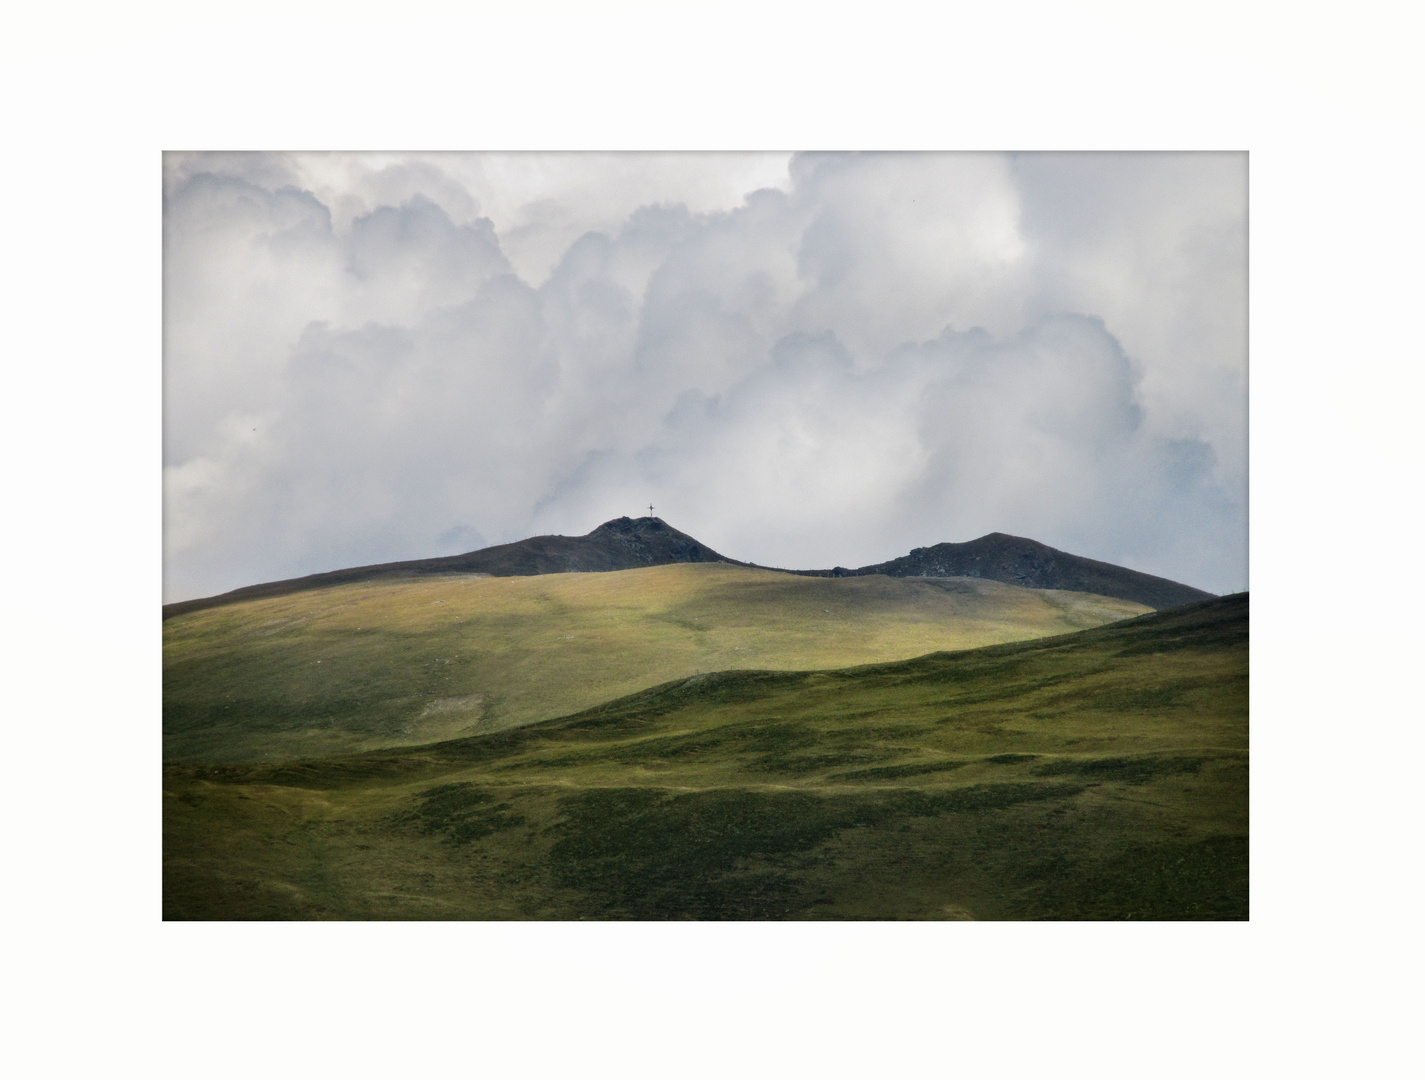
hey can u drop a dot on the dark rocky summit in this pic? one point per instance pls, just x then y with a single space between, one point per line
621 544
1018 561
628 543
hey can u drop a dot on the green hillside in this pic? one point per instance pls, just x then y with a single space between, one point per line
404 662
1098 775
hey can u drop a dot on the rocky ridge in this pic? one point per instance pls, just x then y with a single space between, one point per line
629 543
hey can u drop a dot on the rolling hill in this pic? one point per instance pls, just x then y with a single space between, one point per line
629 543
1095 775
621 544
407 660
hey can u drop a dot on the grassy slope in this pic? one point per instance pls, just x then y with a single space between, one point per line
1097 775
378 664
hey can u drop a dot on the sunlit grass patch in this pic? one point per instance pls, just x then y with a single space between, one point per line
409 662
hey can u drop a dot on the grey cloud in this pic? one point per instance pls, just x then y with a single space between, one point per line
898 350
406 181
1156 245
413 256
244 270
810 461
267 171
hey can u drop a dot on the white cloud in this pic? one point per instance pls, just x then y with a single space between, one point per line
374 358
1156 245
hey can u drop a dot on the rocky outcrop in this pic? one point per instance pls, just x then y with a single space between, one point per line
1016 560
621 544
628 543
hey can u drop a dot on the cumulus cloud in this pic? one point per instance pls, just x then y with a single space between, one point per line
824 361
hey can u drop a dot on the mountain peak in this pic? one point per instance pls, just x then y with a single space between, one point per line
1017 560
624 526
625 543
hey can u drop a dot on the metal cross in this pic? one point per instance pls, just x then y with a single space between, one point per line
650 509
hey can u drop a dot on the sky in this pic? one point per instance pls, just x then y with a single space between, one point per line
803 360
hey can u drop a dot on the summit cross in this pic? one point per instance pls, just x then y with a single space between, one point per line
650 509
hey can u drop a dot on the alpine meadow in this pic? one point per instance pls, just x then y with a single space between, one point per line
935 443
